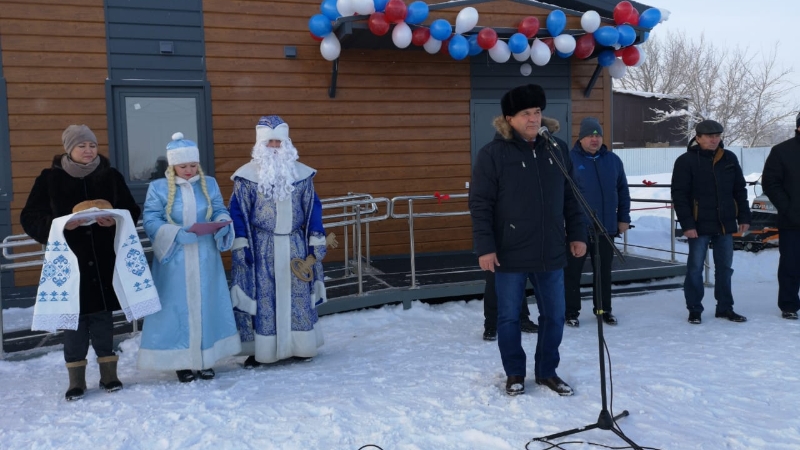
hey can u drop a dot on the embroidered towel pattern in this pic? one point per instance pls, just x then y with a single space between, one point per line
57 299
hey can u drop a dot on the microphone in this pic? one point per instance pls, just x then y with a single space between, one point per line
545 133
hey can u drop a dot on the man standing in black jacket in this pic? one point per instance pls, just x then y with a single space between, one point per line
781 181
520 202
709 196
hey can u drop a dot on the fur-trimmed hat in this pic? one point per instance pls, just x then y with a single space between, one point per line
590 126
523 97
182 151
708 126
271 127
75 134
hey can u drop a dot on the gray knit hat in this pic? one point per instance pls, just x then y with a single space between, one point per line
75 134
590 127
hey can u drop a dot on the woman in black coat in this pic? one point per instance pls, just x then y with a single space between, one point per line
77 176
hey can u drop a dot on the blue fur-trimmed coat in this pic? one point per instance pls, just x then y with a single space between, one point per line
275 310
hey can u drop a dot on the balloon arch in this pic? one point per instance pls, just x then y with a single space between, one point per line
612 45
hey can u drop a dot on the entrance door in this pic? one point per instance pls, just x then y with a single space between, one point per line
144 120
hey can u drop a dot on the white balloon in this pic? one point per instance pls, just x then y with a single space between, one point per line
523 55
401 35
466 20
618 69
346 7
540 53
432 45
525 69
642 56
590 21
500 52
330 47
664 15
565 43
363 7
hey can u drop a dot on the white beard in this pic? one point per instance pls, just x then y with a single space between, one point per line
276 169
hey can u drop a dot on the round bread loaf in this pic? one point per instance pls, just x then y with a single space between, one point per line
99 204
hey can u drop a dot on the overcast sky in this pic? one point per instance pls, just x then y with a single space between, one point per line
756 25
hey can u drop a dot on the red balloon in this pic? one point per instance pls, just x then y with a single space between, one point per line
420 36
622 12
550 43
630 55
395 11
618 53
378 24
487 38
633 18
529 26
316 38
445 50
584 46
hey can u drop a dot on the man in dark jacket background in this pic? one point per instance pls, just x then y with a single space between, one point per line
709 196
781 182
520 202
601 177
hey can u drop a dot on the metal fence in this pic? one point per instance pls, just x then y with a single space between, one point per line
648 161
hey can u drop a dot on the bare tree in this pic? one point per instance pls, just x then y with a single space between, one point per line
746 94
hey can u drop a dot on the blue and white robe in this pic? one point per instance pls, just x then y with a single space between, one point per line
195 327
276 311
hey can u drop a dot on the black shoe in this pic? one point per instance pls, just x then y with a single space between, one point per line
185 376
609 319
556 384
111 386
527 326
694 318
789 315
489 334
206 374
515 385
74 394
251 363
730 315
572 321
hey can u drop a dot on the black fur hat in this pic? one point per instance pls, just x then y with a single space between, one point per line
523 97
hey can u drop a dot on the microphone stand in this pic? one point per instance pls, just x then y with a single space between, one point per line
605 421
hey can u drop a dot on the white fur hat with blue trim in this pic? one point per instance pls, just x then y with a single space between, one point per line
182 151
271 127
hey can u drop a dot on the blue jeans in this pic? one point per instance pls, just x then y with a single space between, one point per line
549 289
693 288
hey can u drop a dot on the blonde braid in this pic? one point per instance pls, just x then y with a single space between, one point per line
171 193
203 185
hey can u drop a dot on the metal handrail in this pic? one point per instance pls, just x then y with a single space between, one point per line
410 216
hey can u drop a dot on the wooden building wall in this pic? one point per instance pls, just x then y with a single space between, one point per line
54 58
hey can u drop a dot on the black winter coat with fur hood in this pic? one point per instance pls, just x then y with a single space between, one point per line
54 194
522 206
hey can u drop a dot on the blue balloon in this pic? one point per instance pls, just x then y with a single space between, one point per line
380 5
328 8
556 21
458 47
474 48
650 18
606 36
441 29
564 55
627 35
517 43
319 25
606 58
417 12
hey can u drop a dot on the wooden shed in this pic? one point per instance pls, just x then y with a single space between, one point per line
380 120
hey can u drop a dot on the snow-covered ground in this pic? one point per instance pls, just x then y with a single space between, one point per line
424 379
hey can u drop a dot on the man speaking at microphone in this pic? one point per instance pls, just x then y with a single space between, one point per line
523 212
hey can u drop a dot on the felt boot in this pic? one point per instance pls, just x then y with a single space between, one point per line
108 373
77 380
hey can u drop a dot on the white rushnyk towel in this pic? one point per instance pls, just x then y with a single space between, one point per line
58 297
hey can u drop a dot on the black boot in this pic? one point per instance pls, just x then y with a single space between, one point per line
206 374
108 373
77 380
185 376
251 363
